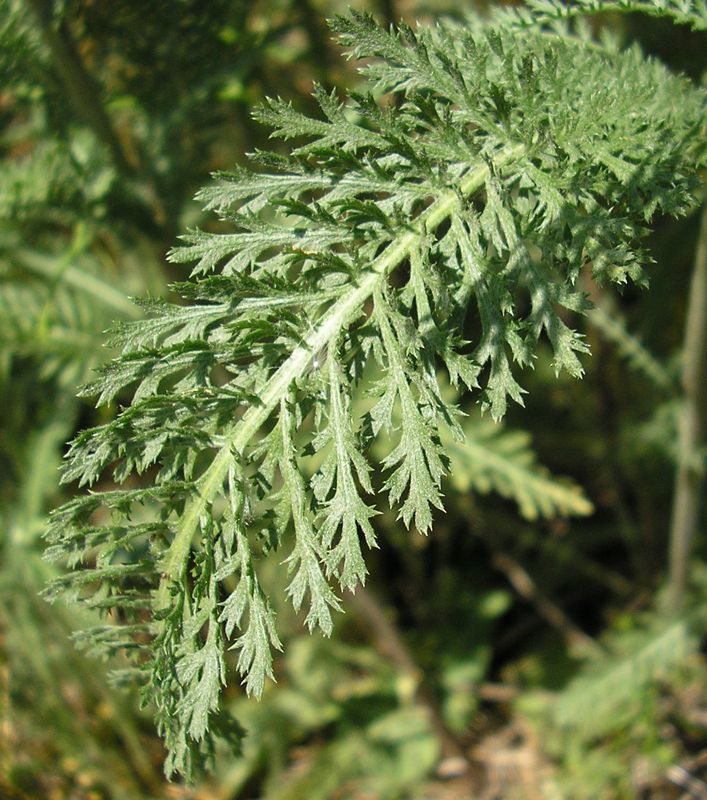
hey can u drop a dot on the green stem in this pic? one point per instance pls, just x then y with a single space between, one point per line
80 87
83 93
332 322
693 423
81 280
389 11
318 36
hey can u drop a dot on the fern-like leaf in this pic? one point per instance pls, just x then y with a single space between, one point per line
506 165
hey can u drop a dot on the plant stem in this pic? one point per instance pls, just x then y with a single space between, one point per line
549 611
688 479
318 36
339 315
389 12
84 95
389 642
79 279
80 87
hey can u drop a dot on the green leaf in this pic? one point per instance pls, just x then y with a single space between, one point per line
445 224
344 516
308 557
493 458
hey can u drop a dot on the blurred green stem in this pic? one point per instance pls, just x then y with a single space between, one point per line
80 87
318 35
80 279
688 480
84 95
389 12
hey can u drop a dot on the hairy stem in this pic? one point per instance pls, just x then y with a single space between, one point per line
331 323
693 422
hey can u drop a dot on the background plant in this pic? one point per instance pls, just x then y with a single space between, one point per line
498 460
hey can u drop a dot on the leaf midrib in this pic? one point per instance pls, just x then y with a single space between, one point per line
339 315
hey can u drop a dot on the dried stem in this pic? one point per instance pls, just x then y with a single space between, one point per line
388 640
553 614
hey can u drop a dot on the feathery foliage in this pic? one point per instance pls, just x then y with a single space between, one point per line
491 457
601 696
683 12
466 190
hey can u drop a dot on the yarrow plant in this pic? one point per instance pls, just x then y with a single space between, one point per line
483 169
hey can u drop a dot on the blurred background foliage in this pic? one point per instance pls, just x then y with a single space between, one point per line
521 650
